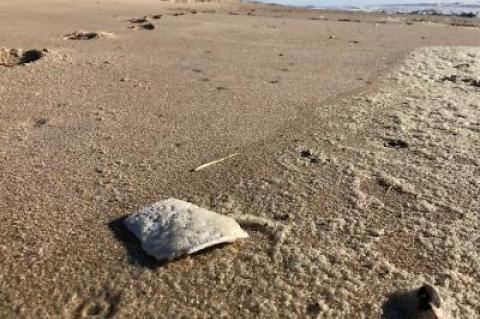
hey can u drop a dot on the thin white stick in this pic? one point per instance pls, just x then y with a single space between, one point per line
214 162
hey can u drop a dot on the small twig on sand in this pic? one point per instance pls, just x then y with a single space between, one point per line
386 193
214 162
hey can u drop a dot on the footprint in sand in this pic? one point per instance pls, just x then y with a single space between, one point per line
146 18
147 26
14 57
144 26
145 22
88 35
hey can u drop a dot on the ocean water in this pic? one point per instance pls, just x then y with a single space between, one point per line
405 6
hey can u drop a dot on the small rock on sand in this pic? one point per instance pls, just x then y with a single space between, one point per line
423 302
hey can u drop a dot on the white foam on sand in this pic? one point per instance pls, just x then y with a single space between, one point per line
384 201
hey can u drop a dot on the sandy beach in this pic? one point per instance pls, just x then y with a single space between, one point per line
358 141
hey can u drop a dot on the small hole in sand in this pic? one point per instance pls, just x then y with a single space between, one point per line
41 122
306 153
30 56
313 309
395 143
14 57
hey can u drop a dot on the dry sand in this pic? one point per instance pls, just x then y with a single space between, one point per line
358 145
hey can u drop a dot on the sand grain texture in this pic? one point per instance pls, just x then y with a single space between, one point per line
357 171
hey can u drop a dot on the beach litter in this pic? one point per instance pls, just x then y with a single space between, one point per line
171 228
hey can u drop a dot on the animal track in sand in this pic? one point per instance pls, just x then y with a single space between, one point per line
88 35
102 304
13 57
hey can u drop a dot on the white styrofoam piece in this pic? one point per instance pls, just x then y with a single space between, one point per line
170 228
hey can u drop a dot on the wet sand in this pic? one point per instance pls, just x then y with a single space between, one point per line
355 143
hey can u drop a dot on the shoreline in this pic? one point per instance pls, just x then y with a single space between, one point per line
455 20
421 9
